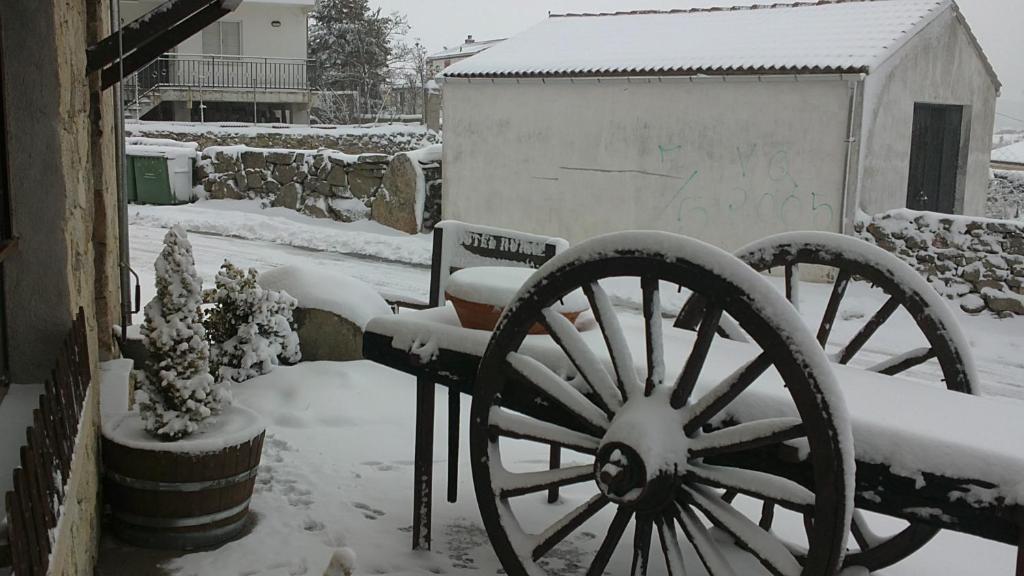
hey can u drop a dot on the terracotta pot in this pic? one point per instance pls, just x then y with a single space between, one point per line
485 316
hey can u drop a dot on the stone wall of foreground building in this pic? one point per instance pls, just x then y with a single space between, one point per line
977 261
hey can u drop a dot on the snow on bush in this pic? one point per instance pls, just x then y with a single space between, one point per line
176 390
250 328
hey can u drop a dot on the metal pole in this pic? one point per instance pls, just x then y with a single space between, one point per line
124 265
254 119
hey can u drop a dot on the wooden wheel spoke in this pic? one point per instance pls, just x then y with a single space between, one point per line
531 371
566 525
868 330
828 319
903 362
522 427
862 534
691 312
512 484
583 359
781 491
792 272
747 436
710 555
641 545
670 545
767 515
652 333
771 552
695 363
611 540
614 339
725 392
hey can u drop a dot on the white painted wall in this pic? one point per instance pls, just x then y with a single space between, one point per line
938 65
727 162
259 38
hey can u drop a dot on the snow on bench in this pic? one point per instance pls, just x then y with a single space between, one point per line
913 428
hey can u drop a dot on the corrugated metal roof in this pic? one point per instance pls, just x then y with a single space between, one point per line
829 36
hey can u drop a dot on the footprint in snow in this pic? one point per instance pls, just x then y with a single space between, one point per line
369 512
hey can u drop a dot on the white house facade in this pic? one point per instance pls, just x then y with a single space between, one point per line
727 124
251 65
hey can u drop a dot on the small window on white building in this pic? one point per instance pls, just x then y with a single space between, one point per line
223 38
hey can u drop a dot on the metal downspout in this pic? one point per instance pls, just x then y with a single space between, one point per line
850 141
122 198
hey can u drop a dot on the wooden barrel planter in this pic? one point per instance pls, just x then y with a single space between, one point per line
184 495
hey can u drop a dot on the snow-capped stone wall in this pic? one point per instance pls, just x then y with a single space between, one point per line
377 139
410 195
977 261
320 183
1005 195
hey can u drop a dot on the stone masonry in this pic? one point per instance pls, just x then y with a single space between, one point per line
320 183
977 261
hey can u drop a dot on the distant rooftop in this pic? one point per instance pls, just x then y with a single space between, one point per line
1012 154
829 36
467 48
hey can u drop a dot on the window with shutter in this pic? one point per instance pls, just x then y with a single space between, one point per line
231 38
224 38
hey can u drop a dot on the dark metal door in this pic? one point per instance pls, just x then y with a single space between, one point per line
934 157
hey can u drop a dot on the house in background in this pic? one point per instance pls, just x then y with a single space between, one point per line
724 124
250 66
440 60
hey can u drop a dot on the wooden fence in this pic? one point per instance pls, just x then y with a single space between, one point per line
33 506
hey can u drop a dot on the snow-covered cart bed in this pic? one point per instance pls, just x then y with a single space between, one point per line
678 424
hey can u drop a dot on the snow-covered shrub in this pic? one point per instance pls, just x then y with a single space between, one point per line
176 391
250 328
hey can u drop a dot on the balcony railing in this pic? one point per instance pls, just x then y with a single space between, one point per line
204 72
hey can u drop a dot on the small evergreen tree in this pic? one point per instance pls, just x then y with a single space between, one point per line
250 327
176 391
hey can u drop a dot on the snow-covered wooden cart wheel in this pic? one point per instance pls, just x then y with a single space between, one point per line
643 419
850 258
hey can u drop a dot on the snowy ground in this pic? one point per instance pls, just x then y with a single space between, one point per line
337 465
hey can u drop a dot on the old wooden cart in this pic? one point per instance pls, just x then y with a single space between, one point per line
677 425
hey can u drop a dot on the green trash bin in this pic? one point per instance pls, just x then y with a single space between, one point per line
152 180
129 179
160 174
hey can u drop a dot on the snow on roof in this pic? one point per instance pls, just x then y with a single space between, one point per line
1012 154
830 36
465 49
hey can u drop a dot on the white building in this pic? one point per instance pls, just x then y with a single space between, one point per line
725 124
250 65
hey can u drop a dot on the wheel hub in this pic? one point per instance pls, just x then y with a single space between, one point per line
643 456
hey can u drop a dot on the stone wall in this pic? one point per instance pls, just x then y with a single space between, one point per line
1005 195
977 261
403 191
60 139
320 183
389 139
410 195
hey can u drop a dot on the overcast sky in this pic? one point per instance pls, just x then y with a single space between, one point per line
999 24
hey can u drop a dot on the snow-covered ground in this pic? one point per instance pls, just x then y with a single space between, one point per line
337 466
